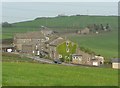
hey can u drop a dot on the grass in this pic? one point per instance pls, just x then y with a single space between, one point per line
60 24
8 57
21 71
35 74
105 44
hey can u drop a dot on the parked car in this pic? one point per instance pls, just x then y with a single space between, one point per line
57 62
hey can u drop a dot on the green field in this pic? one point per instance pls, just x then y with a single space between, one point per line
60 24
105 44
21 71
32 74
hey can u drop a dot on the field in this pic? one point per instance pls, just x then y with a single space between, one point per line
21 71
105 44
32 74
60 24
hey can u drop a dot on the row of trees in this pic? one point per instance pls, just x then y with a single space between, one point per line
6 24
99 27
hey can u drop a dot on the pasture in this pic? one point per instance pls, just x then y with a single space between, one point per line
35 74
61 24
105 44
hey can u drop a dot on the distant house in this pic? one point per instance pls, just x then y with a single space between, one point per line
116 63
84 31
47 32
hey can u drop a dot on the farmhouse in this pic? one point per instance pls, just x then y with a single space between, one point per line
116 63
53 47
87 59
84 31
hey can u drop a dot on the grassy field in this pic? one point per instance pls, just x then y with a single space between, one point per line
60 24
17 71
35 74
105 44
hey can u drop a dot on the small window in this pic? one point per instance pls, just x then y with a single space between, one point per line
67 43
42 48
36 46
67 50
74 57
42 40
60 56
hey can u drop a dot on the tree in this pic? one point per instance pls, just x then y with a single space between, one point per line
6 24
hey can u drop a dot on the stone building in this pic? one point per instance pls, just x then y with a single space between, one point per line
116 63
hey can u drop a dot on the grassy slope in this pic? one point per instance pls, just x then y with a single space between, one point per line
105 44
24 74
60 24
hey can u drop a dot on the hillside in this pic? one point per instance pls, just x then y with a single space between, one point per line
59 24
21 71
105 44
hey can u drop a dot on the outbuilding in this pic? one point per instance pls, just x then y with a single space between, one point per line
7 48
116 63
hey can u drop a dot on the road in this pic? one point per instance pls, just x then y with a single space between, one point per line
49 61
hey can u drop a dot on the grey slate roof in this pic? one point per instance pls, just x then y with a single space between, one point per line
57 41
116 60
30 35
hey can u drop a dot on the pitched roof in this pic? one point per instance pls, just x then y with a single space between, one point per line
30 35
116 60
57 41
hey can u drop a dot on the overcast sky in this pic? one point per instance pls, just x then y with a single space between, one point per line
22 11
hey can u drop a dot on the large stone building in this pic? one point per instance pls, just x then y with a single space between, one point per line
47 44
42 43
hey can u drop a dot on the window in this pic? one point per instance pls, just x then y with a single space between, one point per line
74 57
42 40
47 38
67 43
41 48
60 56
36 46
67 50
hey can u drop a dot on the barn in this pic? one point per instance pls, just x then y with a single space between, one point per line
116 63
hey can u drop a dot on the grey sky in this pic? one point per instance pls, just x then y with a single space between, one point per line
21 11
